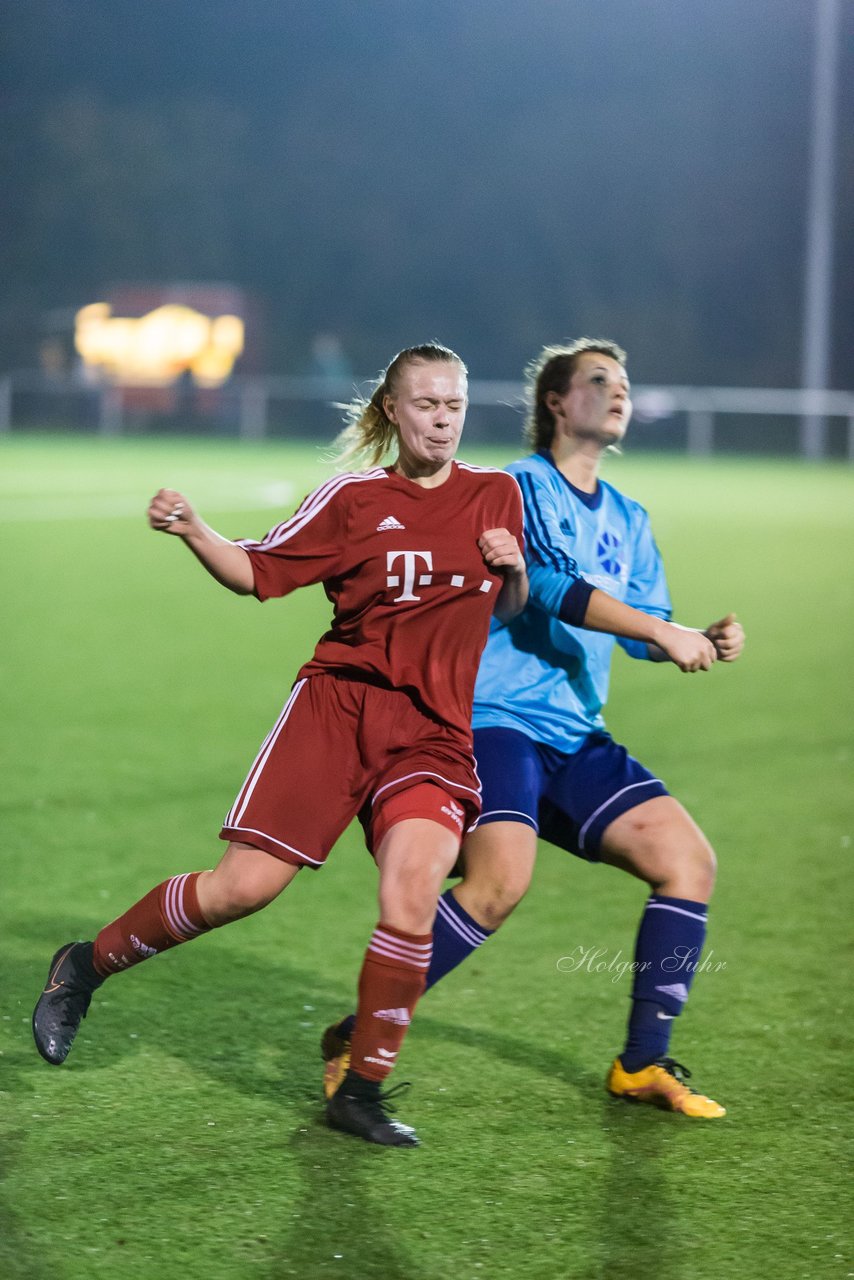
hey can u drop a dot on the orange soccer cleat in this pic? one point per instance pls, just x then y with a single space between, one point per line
662 1083
335 1051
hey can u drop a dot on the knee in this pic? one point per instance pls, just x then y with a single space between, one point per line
408 895
696 870
498 862
660 842
408 909
489 899
705 870
224 898
686 871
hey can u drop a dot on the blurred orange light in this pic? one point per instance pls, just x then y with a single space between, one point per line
155 349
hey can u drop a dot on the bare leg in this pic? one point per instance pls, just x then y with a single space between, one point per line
498 860
660 842
244 880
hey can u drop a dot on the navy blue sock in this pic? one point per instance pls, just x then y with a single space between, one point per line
455 936
667 952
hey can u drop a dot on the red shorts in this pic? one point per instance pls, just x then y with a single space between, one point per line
342 748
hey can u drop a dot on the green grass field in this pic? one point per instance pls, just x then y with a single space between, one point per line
185 1136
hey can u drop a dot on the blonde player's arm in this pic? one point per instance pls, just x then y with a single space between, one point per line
500 550
170 512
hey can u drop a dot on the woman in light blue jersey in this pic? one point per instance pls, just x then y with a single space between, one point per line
547 765
546 762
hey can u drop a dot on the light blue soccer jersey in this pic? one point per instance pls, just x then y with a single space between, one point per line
538 674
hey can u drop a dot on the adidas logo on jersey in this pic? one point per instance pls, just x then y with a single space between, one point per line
400 1016
389 523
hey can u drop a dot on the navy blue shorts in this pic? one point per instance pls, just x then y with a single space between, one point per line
568 799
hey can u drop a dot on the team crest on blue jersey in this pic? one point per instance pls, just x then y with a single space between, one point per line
608 551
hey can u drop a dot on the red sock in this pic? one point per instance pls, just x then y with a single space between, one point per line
164 918
393 977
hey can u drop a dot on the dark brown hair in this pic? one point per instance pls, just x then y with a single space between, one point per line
552 371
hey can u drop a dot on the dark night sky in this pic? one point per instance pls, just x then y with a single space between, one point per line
492 174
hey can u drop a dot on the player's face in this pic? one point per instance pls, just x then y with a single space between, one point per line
428 408
597 404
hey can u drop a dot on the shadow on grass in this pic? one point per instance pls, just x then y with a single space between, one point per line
205 1011
16 1262
232 1018
640 1220
253 1027
340 1226
555 1065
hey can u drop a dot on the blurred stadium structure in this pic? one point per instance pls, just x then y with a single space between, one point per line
184 358
710 249
700 420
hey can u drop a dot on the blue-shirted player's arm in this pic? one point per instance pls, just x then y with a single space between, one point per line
556 584
647 589
557 587
727 635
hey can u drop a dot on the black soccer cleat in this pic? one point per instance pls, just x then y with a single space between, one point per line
63 1004
358 1107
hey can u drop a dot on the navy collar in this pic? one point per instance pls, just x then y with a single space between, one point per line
591 500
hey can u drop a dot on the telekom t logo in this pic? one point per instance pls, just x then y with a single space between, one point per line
409 572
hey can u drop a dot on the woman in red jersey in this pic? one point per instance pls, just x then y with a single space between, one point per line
415 558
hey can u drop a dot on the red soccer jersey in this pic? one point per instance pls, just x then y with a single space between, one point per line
411 594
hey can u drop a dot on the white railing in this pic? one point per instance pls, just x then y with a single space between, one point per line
249 399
